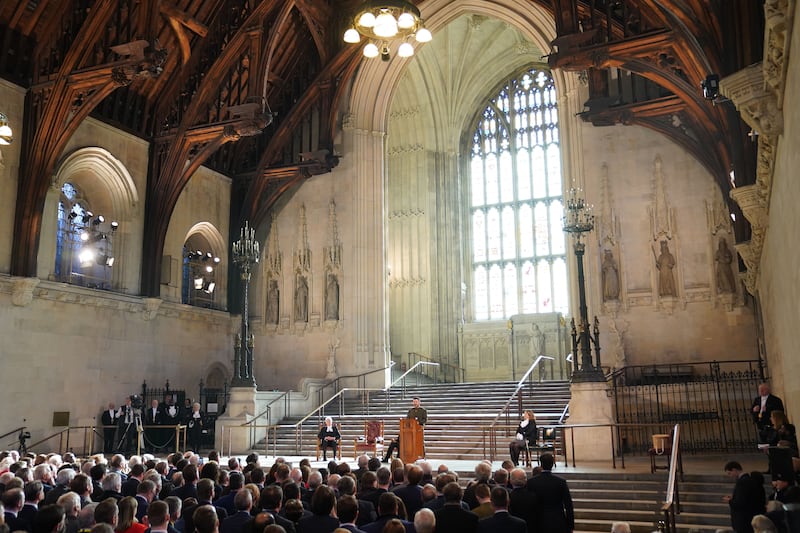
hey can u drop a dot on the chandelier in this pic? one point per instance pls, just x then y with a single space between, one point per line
382 20
6 135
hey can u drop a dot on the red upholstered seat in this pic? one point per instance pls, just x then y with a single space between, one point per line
372 441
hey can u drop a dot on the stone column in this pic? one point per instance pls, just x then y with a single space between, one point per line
590 404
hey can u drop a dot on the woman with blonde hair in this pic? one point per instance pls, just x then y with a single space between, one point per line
126 521
525 436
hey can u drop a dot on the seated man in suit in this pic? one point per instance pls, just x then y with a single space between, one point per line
501 520
328 438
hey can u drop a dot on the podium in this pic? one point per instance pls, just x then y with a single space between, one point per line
412 444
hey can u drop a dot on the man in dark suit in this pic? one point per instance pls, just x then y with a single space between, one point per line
145 493
243 501
522 502
452 518
411 493
366 511
109 418
748 498
502 520
34 493
126 430
134 478
328 438
158 518
556 514
321 519
387 510
205 492
763 405
13 501
271 500
347 511
154 416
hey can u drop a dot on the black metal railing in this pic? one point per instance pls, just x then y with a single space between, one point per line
711 401
440 373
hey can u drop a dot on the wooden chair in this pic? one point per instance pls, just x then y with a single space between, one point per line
338 447
662 448
372 440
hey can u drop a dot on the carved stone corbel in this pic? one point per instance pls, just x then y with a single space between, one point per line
151 306
22 291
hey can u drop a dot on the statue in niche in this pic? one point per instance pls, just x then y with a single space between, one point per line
723 258
665 262
610 277
301 300
332 298
616 335
537 341
273 301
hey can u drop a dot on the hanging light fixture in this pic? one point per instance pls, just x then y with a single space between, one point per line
6 135
380 21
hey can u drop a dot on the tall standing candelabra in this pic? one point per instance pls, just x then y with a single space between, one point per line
245 254
578 219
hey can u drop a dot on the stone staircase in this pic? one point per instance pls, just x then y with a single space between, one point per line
457 416
603 498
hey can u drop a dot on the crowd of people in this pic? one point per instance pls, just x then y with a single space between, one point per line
186 493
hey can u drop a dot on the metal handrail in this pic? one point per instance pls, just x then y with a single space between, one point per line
336 380
297 425
520 384
672 501
17 430
457 370
564 414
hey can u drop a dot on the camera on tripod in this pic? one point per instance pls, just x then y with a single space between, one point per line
136 402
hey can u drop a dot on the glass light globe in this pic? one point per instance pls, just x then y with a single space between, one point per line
385 26
351 36
371 50
406 21
405 50
366 20
423 35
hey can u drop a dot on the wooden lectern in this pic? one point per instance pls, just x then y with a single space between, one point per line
412 444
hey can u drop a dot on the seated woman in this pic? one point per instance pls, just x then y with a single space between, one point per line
784 431
328 438
525 434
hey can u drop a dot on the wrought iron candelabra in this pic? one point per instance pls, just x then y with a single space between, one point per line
578 220
245 254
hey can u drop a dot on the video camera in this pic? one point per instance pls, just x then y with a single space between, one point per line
136 402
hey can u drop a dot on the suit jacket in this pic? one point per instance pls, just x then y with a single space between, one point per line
454 519
226 502
371 495
748 500
523 504
141 509
150 420
129 487
556 514
282 521
235 522
366 513
53 495
773 403
412 498
15 523
502 522
377 525
188 520
110 494
28 512
317 524
109 418
185 491
484 510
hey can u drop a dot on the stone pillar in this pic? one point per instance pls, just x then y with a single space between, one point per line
241 408
590 404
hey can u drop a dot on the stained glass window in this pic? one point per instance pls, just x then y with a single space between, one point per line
518 246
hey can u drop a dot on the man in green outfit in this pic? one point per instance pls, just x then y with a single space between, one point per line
416 412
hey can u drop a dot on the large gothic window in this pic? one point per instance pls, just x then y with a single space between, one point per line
84 242
518 247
